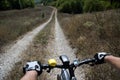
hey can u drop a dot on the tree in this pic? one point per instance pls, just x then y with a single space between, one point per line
90 6
4 5
69 6
112 1
16 4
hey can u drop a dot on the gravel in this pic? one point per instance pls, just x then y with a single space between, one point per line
12 55
60 46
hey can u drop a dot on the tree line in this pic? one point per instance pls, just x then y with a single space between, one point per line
67 6
16 4
80 6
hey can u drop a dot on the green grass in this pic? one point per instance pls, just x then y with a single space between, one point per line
14 23
91 33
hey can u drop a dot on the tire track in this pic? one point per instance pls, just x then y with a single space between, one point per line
60 46
12 55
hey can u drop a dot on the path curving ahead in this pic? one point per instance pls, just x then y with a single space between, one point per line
60 46
11 56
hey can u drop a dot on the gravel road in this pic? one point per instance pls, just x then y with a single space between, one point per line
60 46
57 46
12 55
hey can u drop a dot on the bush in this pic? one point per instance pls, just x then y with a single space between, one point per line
116 5
90 6
4 5
106 5
90 34
65 7
70 6
27 3
16 4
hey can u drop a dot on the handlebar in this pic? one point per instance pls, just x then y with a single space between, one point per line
76 63
86 61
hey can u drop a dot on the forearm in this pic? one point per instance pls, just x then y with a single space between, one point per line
30 75
115 61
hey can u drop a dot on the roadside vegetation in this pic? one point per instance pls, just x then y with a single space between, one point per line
82 6
16 4
36 51
14 23
91 33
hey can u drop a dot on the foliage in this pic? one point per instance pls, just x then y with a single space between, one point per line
15 23
4 4
90 6
16 4
116 5
69 6
37 1
79 6
106 5
46 2
91 33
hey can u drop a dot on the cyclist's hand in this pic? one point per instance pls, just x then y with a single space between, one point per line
35 65
99 57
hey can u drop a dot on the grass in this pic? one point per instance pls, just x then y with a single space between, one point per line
91 33
14 23
37 51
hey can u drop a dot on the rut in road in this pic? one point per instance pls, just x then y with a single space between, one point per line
11 56
60 46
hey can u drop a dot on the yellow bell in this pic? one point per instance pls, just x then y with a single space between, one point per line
52 62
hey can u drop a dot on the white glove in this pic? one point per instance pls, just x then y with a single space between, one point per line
35 65
100 57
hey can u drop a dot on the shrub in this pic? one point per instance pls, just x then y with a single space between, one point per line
65 7
106 5
90 6
16 4
116 5
91 33
70 6
4 5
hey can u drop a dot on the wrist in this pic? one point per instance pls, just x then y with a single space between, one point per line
107 58
32 73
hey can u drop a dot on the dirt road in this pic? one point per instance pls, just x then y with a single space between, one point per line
11 56
56 46
60 46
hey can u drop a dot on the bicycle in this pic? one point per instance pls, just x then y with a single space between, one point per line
67 69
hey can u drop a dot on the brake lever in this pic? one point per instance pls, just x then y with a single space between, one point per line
74 68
